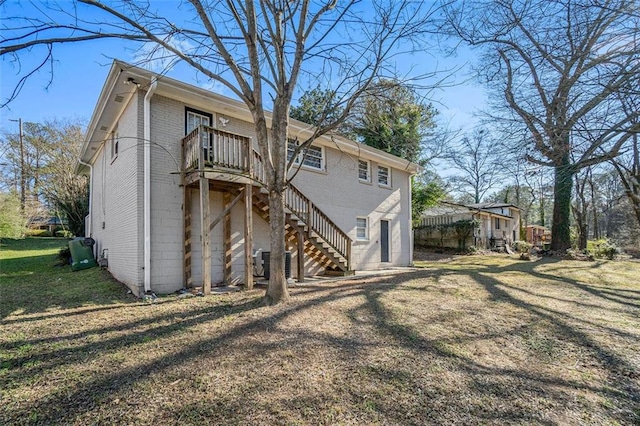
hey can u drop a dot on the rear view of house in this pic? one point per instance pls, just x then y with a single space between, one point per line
164 155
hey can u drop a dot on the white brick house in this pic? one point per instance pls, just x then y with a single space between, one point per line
351 211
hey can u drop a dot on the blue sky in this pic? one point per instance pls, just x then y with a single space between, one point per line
80 69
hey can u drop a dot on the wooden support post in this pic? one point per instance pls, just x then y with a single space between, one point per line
187 277
248 237
226 236
205 217
300 251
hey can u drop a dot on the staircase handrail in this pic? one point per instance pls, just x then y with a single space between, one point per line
317 221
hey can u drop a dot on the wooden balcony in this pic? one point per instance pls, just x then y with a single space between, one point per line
217 154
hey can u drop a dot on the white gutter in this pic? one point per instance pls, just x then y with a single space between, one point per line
90 196
147 184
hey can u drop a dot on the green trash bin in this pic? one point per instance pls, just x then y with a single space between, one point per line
82 253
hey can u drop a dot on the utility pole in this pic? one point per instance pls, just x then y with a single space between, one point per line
23 195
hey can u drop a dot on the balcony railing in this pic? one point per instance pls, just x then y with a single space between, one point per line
220 150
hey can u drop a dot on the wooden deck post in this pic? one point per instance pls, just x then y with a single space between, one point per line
187 277
300 252
248 237
205 219
248 218
226 235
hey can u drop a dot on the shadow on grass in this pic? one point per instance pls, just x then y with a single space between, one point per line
494 385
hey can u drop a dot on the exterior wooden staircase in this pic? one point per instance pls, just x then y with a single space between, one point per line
231 158
317 245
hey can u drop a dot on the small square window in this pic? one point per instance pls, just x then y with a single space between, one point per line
383 176
364 171
362 228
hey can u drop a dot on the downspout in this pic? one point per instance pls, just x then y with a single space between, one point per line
90 196
411 236
147 184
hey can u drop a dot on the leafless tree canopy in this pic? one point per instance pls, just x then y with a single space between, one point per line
257 49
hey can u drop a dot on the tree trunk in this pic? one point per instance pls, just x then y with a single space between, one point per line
562 188
277 291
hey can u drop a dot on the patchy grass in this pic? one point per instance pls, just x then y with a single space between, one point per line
488 340
31 283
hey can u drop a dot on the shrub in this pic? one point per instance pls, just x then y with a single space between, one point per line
522 246
602 249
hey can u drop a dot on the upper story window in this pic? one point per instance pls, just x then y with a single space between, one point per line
312 156
364 171
384 177
194 118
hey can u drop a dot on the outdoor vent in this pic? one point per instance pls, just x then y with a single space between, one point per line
93 148
103 128
118 98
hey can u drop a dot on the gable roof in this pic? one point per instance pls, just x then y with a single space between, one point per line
124 80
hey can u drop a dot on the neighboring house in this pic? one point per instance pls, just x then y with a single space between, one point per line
47 223
349 205
537 235
494 225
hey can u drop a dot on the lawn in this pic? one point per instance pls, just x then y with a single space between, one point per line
470 340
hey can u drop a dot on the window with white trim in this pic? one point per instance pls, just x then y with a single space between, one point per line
364 171
362 228
194 118
384 176
312 156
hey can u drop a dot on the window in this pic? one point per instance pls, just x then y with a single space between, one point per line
364 171
194 118
291 149
312 156
362 228
497 223
383 176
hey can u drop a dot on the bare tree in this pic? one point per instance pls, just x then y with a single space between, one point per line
257 49
627 165
477 165
560 68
